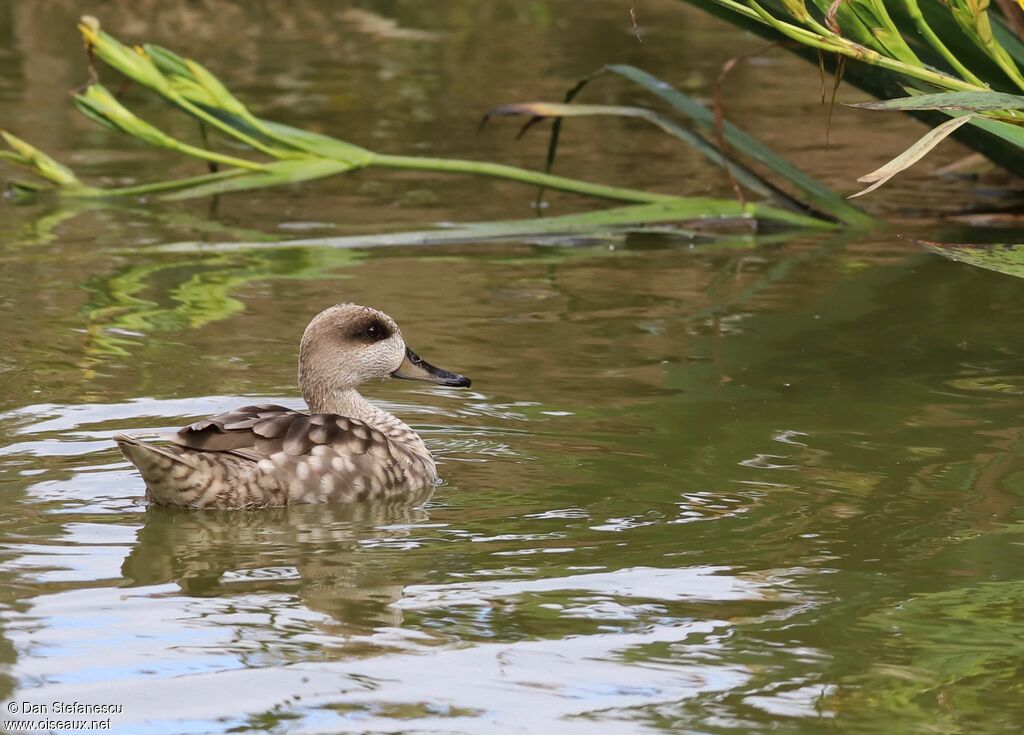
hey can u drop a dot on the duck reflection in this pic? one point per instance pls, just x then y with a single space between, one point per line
334 559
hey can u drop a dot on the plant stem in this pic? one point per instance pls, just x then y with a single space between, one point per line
98 193
914 11
207 155
837 44
500 171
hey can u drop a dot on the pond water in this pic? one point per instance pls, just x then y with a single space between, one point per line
721 488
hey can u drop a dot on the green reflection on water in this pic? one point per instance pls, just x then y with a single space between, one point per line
762 485
200 289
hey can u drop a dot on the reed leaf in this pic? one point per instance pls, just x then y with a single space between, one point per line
1005 258
924 47
30 157
973 101
277 173
911 155
296 155
974 19
682 218
537 111
817 196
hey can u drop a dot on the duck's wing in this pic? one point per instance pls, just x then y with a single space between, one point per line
268 430
266 455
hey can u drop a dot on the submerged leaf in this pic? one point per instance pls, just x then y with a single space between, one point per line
912 155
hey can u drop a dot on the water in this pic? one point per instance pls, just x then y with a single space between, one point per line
714 489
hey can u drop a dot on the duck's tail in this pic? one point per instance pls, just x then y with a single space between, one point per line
167 470
191 478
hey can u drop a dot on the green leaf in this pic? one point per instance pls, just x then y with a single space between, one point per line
744 175
864 71
100 105
40 163
320 145
213 86
1003 258
868 22
818 195
275 174
166 60
974 101
133 63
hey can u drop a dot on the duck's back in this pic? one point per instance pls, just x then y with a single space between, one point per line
268 455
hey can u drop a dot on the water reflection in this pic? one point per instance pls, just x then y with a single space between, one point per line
707 523
314 553
773 484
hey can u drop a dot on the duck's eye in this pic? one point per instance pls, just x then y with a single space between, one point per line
374 332
369 332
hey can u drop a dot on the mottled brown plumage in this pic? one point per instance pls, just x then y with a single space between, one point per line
345 449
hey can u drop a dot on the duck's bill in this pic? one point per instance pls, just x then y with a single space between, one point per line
414 367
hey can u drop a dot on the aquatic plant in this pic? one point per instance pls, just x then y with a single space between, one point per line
717 139
288 155
953 63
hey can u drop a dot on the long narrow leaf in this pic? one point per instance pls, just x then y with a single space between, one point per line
1005 258
276 174
975 101
912 155
819 195
884 83
744 175
618 219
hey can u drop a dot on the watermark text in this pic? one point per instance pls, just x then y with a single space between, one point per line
59 716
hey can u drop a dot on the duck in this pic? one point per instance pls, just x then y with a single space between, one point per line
343 449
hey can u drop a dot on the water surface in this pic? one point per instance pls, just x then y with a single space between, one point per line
720 488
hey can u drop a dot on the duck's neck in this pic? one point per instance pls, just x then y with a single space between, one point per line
349 402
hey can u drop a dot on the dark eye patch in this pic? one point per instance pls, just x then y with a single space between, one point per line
371 330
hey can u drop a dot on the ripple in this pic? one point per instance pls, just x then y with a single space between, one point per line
695 583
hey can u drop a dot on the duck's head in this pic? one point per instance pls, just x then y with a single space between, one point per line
347 345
